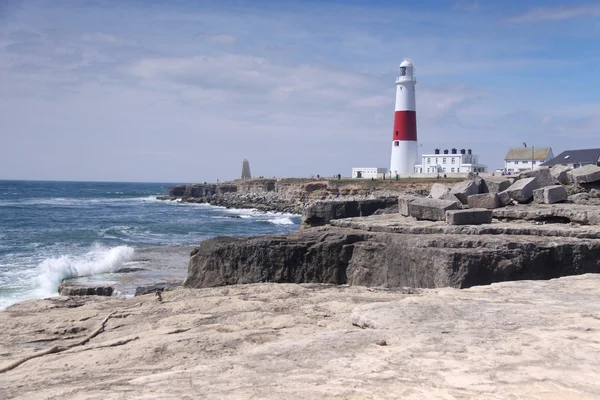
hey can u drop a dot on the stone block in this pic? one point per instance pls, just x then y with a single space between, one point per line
543 175
474 216
550 194
431 209
484 200
403 202
520 191
463 190
586 174
559 174
438 190
495 184
451 197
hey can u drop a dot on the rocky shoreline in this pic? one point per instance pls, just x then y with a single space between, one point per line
476 232
289 195
487 288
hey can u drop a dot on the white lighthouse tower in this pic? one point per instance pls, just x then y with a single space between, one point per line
404 139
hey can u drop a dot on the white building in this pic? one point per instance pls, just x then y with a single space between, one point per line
575 158
519 159
450 161
368 172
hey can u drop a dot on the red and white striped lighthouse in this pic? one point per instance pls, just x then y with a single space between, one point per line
404 139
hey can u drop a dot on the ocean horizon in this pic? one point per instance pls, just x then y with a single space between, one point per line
89 230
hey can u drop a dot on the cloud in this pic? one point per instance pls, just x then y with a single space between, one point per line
314 85
217 38
467 5
557 13
99 38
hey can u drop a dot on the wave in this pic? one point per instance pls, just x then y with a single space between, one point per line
99 260
278 221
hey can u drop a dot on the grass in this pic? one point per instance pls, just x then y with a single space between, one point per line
391 182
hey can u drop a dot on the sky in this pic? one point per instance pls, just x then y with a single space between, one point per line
183 91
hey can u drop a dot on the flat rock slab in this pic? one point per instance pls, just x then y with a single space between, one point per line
366 258
409 226
68 290
581 214
585 174
431 209
526 340
474 216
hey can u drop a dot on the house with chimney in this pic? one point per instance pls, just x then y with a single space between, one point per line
519 159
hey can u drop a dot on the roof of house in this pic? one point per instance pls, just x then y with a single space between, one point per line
581 156
524 153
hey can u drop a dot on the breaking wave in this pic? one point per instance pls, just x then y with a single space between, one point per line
99 260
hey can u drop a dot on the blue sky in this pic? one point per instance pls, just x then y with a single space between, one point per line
183 91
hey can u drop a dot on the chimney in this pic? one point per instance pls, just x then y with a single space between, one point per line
437 151
446 151
454 151
463 151
469 151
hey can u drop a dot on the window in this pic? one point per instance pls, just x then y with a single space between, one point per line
444 160
452 162
452 168
396 143
429 161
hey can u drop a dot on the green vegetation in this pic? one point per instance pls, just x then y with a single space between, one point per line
390 182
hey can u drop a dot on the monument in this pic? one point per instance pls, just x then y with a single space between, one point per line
246 170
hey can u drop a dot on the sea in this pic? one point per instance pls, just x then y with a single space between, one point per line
108 233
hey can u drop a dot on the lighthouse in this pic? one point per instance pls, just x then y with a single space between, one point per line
404 138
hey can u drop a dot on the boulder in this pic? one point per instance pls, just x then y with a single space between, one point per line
586 174
495 184
403 202
463 190
438 190
520 191
542 174
475 216
431 209
550 194
451 197
559 174
484 200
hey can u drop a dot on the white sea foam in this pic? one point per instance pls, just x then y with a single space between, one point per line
99 260
280 221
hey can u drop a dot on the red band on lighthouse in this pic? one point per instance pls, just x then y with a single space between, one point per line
405 125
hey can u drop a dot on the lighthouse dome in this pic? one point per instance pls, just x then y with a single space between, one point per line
406 63
406 71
